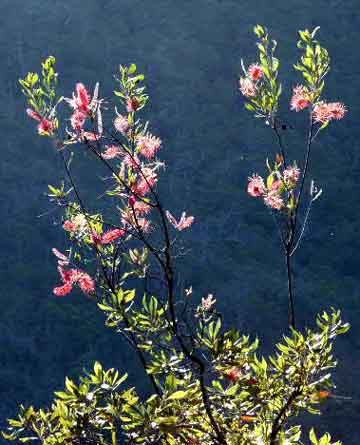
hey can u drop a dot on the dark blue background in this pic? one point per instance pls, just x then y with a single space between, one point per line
190 51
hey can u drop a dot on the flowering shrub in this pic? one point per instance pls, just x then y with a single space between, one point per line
208 383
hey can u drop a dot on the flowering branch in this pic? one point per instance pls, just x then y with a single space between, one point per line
261 88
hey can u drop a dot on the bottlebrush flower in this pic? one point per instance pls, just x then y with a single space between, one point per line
300 99
132 104
325 112
338 110
276 186
255 71
46 126
129 219
247 87
111 152
78 119
121 124
33 114
70 277
148 145
112 235
81 101
148 179
63 260
184 222
86 283
274 200
322 113
63 290
256 186
132 160
291 175
140 207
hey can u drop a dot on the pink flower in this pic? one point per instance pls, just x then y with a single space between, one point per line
112 235
81 101
65 289
276 186
86 283
247 87
70 226
148 145
338 110
121 124
63 260
256 186
291 175
33 114
78 119
325 112
90 136
132 104
255 71
300 98
322 112
141 208
112 152
273 199
184 222
132 160
148 180
46 126
68 275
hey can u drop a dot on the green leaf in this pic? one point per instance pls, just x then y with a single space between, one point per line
177 395
312 437
132 69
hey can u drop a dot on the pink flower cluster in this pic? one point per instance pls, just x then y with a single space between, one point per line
273 195
46 126
148 145
248 85
132 104
84 107
121 124
133 215
108 237
111 152
322 112
183 223
70 277
325 112
300 99
147 179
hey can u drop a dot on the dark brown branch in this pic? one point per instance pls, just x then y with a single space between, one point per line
281 417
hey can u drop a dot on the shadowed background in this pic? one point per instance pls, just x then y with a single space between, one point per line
190 53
